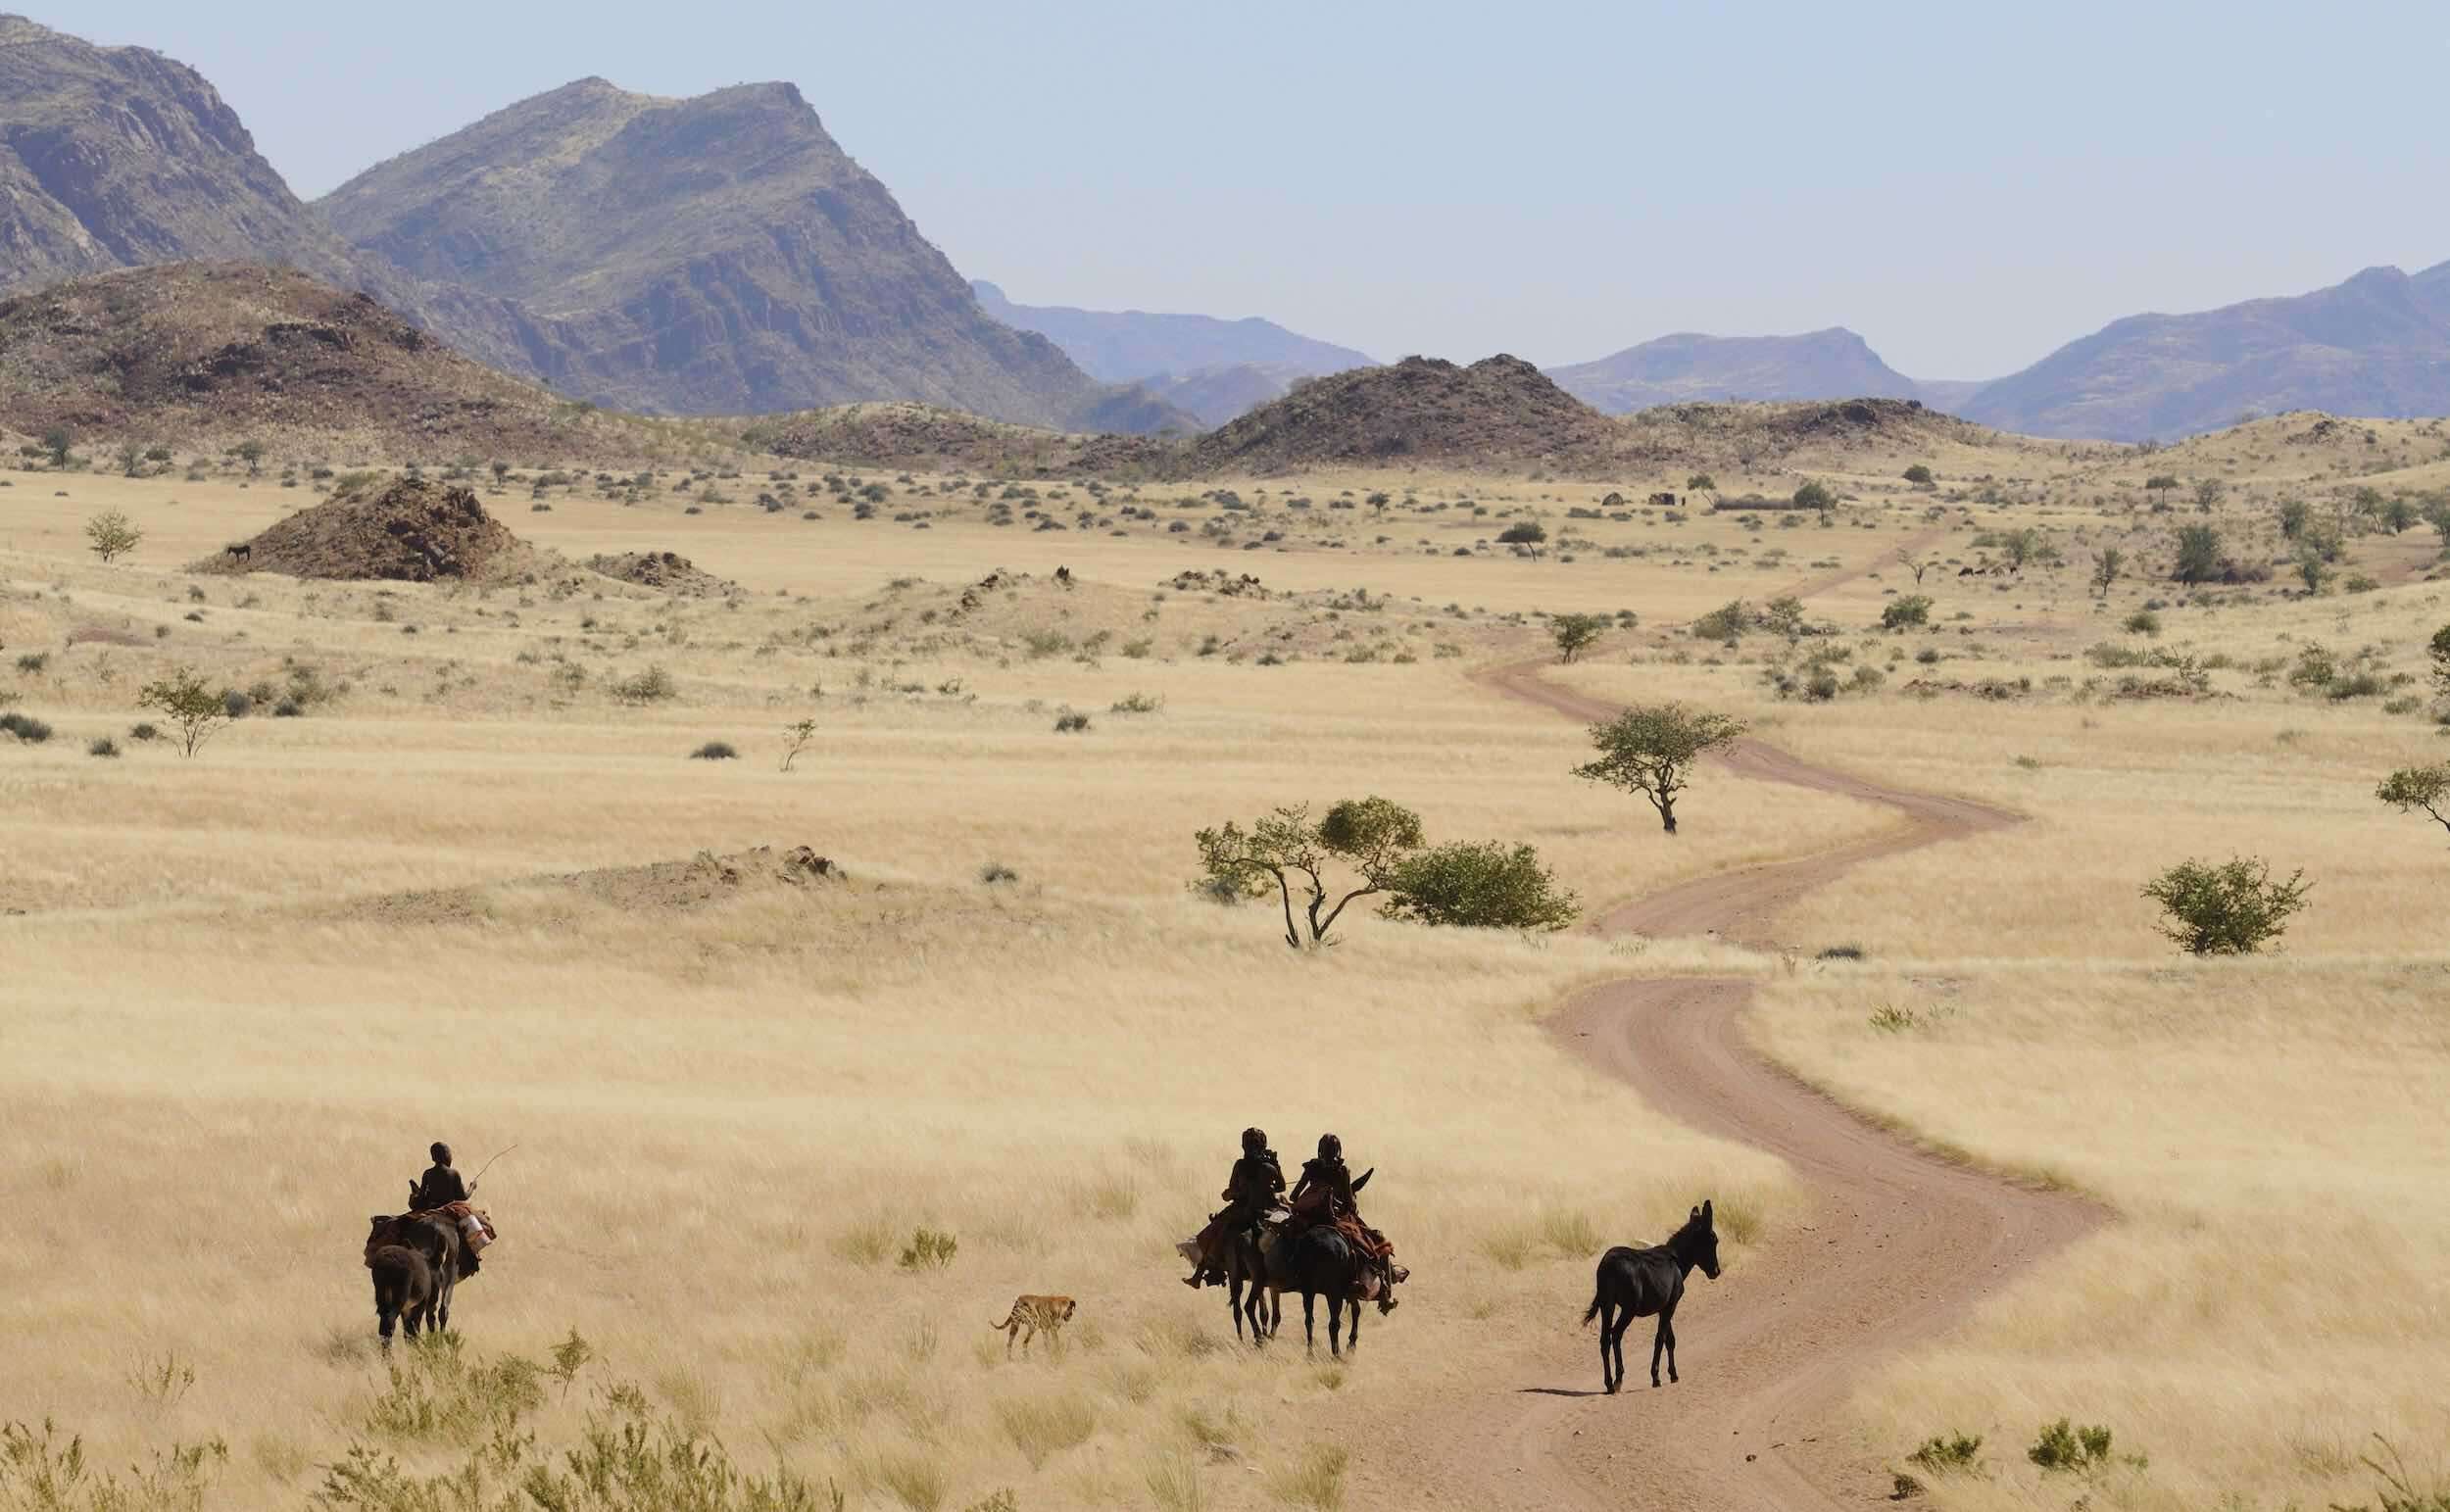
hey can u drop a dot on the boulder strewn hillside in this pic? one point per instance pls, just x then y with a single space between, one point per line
1499 412
206 354
1834 364
717 254
114 156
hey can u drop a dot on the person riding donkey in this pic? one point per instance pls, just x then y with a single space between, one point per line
1257 1178
1326 1195
440 1189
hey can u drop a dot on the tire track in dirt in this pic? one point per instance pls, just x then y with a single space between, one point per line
1894 1244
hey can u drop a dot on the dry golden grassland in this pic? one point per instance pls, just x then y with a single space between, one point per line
225 1037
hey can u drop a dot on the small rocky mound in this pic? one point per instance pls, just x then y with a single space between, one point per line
1220 582
1715 434
666 572
413 530
928 439
1500 411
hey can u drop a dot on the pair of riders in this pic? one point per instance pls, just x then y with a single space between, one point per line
1325 1194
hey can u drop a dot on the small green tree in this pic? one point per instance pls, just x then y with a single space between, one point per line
56 442
1903 613
2419 789
2233 908
1652 750
111 535
796 738
2159 483
1815 495
2107 563
2398 513
250 451
1918 474
2208 493
195 710
2439 652
2294 515
2198 554
131 459
1368 835
2312 570
1527 532
1576 633
1481 885
2437 515
1700 483
2020 546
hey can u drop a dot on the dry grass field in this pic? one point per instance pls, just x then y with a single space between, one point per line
242 992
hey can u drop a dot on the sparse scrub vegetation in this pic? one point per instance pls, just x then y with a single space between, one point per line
2230 908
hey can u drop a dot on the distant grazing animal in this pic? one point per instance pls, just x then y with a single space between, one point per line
1965 571
239 553
1638 1283
1665 500
1032 1315
433 1239
1063 575
404 1289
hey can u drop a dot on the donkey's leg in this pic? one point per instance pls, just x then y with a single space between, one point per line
1335 1323
1609 1371
1309 1322
1352 1334
1667 1326
1659 1345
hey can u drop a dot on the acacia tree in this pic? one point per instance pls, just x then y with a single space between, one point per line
1575 633
1652 748
111 534
2439 650
183 699
2414 789
2107 563
1370 836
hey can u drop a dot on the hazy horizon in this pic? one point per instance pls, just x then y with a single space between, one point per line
1406 179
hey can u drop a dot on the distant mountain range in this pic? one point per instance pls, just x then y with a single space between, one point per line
1834 363
2376 345
1216 369
723 255
720 255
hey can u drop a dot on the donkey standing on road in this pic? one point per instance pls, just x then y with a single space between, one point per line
1638 1283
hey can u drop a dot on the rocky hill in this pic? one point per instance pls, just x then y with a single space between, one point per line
2376 345
1216 369
1834 363
196 355
1837 435
717 254
1499 412
115 156
930 439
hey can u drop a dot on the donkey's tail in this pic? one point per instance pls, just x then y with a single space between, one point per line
1593 1311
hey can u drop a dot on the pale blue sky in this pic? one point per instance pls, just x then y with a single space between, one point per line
1967 184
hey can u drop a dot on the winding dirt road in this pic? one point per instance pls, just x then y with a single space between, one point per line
1894 1244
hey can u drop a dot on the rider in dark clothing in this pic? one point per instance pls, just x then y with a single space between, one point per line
441 1185
1255 1180
1325 1196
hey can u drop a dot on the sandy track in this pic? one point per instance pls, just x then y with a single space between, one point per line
1895 1244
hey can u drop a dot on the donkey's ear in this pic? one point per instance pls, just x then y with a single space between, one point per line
1705 1209
1696 1215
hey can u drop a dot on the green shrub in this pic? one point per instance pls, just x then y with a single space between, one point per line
102 746
1138 704
648 686
2233 908
1917 473
929 1250
2062 1447
1070 722
1907 613
715 751
25 727
2142 622
1479 886
1815 495
1727 622
1956 1452
1527 532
